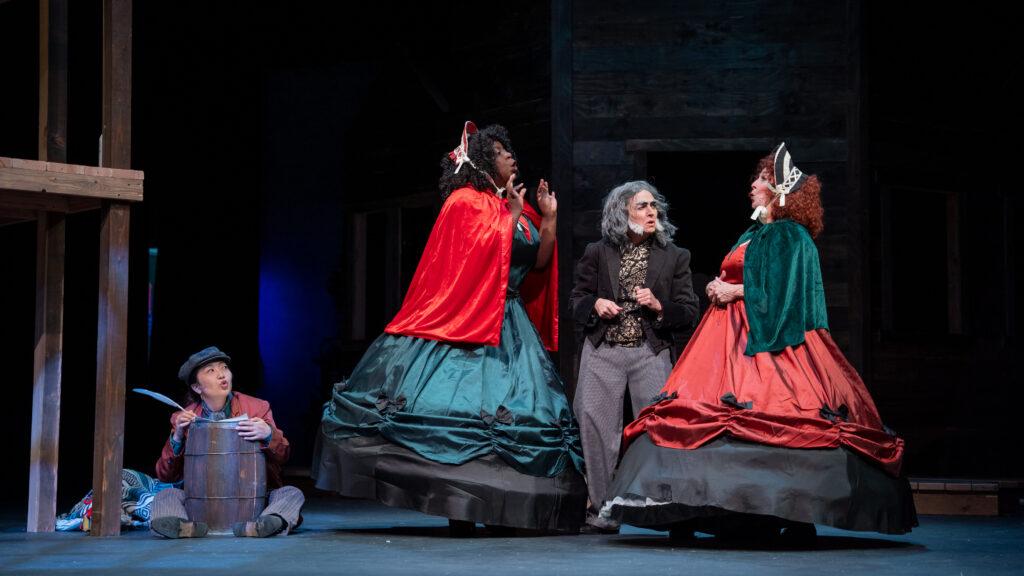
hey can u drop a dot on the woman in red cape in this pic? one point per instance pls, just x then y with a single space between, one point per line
763 425
457 410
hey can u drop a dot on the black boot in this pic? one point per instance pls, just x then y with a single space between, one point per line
461 528
500 531
681 533
799 534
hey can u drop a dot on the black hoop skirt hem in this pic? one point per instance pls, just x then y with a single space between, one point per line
659 487
485 490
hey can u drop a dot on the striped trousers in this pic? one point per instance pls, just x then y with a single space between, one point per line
286 502
606 373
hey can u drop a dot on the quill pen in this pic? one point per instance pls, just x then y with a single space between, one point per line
164 399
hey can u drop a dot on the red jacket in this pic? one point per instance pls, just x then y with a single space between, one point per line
170 468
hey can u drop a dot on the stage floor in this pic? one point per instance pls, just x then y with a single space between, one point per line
351 537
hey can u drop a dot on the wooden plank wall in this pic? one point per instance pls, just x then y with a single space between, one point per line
708 75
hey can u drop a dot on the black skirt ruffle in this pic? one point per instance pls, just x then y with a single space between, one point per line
659 487
486 490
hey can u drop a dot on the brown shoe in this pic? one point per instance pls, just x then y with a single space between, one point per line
260 528
598 529
597 525
171 527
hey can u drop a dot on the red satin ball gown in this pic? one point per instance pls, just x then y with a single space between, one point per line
791 435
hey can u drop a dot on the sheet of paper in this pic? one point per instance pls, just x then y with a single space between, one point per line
241 418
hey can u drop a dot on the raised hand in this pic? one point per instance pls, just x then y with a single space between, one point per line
514 193
546 199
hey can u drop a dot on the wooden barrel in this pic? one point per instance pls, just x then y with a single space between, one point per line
225 476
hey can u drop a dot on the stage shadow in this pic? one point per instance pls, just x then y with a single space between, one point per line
821 543
443 532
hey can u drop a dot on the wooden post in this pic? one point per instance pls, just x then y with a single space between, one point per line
47 358
42 479
111 343
53 80
562 176
110 370
117 83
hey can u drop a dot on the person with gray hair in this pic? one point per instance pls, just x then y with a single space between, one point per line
632 294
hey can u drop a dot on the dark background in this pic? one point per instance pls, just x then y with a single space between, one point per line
291 156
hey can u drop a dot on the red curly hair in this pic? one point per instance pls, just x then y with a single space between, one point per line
802 206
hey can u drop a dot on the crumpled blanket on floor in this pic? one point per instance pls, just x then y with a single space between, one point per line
137 491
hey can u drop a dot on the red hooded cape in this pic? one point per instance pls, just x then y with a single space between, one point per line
458 291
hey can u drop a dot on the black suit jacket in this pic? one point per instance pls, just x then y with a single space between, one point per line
668 277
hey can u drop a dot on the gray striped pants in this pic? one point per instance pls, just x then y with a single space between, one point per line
285 501
605 374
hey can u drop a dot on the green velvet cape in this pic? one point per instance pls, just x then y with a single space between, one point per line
782 286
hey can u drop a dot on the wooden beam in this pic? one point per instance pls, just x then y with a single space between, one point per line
111 348
63 168
6 220
52 178
561 175
9 215
33 202
814 149
42 483
53 80
640 165
957 503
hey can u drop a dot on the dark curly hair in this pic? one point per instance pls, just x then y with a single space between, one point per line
481 152
802 206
